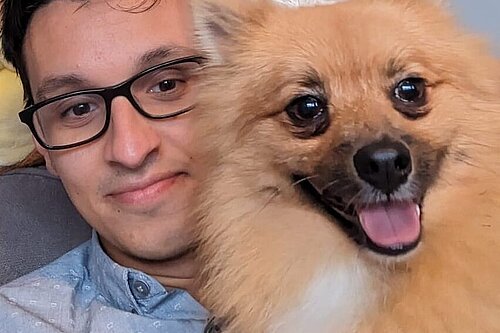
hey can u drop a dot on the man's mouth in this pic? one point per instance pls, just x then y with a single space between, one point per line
390 228
148 191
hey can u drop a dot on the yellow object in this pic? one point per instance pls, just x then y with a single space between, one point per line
15 138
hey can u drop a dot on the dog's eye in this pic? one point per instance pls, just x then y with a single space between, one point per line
411 90
305 108
309 114
410 96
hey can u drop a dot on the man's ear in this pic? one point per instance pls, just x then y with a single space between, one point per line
219 23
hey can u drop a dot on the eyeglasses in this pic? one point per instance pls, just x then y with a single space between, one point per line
164 91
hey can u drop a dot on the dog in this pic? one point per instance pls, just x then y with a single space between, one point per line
350 169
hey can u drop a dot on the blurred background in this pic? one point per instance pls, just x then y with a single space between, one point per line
482 16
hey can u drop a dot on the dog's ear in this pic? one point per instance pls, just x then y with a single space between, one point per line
219 23
441 3
444 3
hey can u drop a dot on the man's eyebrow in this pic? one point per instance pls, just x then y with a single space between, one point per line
163 53
73 82
68 83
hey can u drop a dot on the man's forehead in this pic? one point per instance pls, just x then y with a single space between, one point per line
101 45
129 5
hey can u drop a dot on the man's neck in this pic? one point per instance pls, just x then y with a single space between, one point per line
177 272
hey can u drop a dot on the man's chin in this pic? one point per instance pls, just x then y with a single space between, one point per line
164 256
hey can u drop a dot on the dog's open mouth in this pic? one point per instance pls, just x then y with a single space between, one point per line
389 228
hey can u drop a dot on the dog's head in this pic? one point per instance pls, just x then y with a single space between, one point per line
366 103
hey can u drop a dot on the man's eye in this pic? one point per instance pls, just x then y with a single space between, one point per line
77 110
165 86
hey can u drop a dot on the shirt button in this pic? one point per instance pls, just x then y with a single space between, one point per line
212 326
140 289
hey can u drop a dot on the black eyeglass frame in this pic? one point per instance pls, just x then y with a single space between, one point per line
108 94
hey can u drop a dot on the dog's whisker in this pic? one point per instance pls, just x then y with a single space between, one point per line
276 191
304 179
354 197
333 182
329 184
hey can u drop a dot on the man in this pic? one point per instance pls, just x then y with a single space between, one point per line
123 155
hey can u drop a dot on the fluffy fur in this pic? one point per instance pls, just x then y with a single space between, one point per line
273 261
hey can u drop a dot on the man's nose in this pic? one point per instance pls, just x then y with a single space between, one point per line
131 138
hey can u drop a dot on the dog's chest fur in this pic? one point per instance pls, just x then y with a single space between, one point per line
333 302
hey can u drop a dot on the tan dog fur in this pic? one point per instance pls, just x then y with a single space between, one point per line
267 253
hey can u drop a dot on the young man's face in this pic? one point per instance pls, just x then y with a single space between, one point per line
133 184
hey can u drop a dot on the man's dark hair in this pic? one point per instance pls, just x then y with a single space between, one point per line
16 16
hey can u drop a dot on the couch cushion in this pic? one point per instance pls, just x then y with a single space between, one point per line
38 223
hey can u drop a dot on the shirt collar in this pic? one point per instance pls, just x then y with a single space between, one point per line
134 291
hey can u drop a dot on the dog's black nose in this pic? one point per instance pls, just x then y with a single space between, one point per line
385 165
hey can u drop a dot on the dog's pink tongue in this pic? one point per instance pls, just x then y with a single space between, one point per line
391 224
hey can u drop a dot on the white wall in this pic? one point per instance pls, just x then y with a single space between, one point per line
482 16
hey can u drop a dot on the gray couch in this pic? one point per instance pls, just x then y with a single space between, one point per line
38 223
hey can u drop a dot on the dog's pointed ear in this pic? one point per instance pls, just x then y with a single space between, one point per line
219 23
441 3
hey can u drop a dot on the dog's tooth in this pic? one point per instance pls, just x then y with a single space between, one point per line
397 247
418 211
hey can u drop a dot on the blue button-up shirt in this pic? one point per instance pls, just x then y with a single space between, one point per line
86 291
